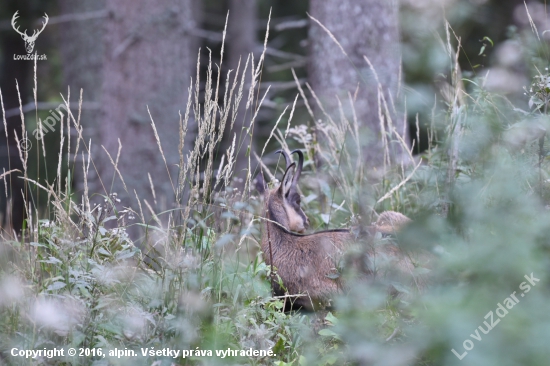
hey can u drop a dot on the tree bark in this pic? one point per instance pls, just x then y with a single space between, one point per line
13 213
149 59
81 51
241 38
367 28
12 207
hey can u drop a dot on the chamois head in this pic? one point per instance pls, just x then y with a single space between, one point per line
283 203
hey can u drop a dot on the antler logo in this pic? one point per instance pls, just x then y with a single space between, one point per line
29 40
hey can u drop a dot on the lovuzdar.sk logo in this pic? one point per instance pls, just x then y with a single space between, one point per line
29 40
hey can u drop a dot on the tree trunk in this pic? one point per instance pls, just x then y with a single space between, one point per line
13 214
149 59
81 51
241 39
368 28
12 206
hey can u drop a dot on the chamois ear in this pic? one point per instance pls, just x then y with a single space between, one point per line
286 182
259 183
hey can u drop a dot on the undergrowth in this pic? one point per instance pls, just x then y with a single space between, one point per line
197 281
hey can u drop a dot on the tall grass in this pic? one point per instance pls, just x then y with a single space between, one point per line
77 280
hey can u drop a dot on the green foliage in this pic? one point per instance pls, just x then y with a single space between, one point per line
83 283
481 215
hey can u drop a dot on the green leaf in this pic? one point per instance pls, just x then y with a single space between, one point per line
56 286
111 328
330 359
52 260
329 333
332 319
488 40
110 218
78 338
124 254
104 252
102 342
279 347
84 291
481 50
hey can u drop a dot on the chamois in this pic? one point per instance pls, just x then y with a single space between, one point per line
307 264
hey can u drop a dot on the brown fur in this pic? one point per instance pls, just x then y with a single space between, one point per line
303 262
390 222
308 264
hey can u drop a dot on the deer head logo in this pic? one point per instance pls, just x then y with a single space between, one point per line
29 40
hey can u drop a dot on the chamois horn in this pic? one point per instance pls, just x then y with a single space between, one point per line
288 161
299 166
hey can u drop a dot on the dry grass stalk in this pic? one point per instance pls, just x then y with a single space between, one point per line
115 164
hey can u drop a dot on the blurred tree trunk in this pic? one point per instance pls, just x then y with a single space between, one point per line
241 39
81 51
149 59
9 154
12 207
363 28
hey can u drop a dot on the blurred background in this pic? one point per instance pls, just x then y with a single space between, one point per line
165 90
127 56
